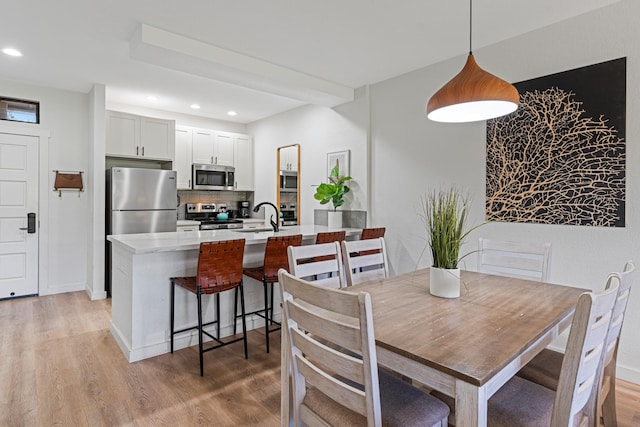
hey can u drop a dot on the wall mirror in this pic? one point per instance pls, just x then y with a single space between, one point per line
287 184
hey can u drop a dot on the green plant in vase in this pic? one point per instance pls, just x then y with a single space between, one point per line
333 191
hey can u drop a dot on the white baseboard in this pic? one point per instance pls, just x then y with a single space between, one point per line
180 342
628 374
71 287
93 296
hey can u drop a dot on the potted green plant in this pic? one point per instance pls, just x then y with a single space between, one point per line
445 214
334 192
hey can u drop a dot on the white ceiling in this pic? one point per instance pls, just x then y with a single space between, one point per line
291 50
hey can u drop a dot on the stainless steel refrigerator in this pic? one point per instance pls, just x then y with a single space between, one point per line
139 201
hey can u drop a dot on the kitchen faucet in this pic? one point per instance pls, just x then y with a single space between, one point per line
273 224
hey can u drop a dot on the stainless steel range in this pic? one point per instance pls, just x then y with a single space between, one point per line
207 214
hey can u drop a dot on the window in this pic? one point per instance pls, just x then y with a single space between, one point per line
19 110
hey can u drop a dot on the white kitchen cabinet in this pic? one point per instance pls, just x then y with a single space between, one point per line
223 149
243 145
157 138
203 146
129 135
182 164
289 158
213 148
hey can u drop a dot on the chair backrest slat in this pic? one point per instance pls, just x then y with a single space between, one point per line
580 366
365 260
625 280
322 325
322 262
515 259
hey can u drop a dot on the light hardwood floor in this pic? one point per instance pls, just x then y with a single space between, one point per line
60 366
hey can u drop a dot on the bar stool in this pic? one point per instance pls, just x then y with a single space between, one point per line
372 233
275 258
219 270
330 237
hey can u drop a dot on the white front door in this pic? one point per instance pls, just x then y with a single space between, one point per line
18 197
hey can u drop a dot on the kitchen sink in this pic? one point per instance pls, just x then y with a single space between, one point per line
251 230
255 230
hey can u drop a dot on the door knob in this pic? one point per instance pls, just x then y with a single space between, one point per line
31 223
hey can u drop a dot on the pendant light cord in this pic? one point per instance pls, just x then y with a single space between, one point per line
470 24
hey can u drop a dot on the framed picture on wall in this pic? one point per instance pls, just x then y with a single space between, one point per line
341 158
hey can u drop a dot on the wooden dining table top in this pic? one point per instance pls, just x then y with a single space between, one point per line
472 337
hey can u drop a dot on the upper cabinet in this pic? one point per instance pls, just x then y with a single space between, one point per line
129 135
289 158
244 163
224 149
205 146
213 148
182 164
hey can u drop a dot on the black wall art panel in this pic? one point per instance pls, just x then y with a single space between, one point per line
560 157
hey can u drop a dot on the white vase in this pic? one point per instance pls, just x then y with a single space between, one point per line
334 219
444 282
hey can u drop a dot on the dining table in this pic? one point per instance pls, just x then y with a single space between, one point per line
465 347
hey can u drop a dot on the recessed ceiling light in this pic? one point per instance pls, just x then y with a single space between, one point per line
152 98
231 113
195 106
11 52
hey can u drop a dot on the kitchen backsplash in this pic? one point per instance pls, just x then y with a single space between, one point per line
230 198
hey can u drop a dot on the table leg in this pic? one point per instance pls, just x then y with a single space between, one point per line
471 405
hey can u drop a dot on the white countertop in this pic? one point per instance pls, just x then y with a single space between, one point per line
180 241
187 222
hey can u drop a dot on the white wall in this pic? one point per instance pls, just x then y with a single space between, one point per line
319 131
66 115
411 155
425 155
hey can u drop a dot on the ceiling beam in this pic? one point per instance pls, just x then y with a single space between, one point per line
180 53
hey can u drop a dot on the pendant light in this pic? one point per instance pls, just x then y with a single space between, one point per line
473 94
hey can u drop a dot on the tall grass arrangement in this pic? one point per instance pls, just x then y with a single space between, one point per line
445 214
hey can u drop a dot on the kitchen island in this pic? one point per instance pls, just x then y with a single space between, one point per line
141 267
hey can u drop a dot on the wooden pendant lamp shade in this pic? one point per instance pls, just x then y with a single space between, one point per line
473 94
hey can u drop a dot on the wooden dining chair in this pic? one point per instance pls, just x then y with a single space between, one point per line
331 385
321 263
524 403
365 260
545 368
524 260
219 269
275 258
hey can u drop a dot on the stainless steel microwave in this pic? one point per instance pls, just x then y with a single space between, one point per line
288 181
212 177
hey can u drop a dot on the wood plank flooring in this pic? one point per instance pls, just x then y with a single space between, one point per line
59 365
